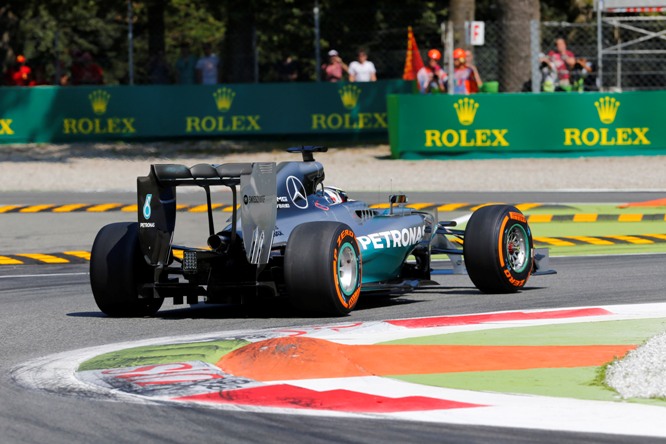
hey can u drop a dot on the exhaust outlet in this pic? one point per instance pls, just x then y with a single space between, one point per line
218 242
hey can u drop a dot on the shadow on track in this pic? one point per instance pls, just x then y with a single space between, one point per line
280 308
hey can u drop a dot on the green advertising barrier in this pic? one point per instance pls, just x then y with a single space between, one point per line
70 114
488 125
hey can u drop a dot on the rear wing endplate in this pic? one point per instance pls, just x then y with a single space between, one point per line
156 201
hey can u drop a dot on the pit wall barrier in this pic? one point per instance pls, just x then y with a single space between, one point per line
526 125
95 113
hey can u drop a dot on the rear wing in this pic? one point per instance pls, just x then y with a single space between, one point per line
156 200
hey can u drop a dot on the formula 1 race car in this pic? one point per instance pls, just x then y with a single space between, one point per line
293 237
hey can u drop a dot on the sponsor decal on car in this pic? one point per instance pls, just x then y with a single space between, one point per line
283 202
297 192
392 238
253 199
146 206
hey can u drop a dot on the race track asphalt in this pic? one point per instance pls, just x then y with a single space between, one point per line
49 308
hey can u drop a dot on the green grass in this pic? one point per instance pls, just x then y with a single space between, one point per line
210 352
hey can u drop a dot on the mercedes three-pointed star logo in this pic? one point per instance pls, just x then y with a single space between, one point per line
297 192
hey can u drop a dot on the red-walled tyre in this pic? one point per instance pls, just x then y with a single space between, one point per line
322 268
498 249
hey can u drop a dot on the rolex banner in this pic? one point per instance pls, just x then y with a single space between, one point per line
84 113
432 126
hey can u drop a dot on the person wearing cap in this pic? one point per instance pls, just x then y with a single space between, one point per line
333 70
466 77
432 77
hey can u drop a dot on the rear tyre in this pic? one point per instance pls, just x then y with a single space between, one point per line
322 268
118 270
498 249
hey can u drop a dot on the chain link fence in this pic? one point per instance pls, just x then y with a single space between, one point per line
581 40
634 52
633 49
633 55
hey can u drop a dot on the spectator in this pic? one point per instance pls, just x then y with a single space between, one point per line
288 70
548 73
362 70
159 72
333 70
20 73
583 76
85 71
186 66
562 60
208 67
466 78
432 77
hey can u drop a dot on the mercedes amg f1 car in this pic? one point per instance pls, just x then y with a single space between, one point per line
290 236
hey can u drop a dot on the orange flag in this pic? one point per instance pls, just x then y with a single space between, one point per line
413 60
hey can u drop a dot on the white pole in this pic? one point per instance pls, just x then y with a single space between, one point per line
535 49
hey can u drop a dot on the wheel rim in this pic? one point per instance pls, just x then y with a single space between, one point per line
517 248
347 269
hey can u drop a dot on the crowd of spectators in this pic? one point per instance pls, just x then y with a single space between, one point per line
360 70
188 69
561 70
432 78
84 70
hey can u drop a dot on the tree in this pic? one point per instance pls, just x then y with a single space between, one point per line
461 11
156 9
239 45
515 51
47 33
247 33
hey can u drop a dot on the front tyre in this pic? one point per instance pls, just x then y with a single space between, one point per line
322 268
498 249
118 270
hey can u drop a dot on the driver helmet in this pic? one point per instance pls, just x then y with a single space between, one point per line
335 195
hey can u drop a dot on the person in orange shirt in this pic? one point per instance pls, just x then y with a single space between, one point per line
466 78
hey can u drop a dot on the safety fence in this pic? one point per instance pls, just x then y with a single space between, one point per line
492 125
58 114
631 45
